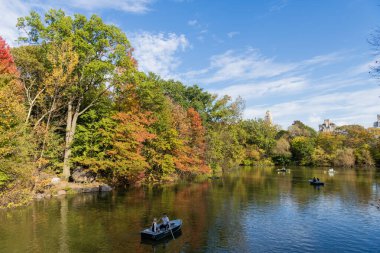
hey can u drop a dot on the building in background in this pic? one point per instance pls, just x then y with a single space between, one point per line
268 117
327 127
377 123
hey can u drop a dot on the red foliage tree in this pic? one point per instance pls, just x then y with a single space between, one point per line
190 149
7 65
197 138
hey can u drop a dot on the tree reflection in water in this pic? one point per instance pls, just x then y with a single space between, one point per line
249 209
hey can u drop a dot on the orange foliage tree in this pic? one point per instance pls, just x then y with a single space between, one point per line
190 151
125 156
15 147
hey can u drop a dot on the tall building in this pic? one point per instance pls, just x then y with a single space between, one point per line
328 126
268 117
377 123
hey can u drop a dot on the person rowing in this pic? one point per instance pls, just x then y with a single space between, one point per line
165 222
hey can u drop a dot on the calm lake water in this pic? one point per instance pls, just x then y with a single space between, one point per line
247 210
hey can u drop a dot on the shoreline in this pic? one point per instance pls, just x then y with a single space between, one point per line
66 188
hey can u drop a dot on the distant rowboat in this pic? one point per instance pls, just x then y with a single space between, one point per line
174 226
312 182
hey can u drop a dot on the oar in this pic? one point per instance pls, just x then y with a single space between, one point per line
171 231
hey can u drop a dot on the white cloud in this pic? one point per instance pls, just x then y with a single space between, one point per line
278 5
200 28
245 66
322 59
250 64
294 90
133 6
13 9
157 52
192 22
362 68
232 34
254 90
315 119
10 11
358 107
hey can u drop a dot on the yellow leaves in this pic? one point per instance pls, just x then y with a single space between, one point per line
12 111
64 61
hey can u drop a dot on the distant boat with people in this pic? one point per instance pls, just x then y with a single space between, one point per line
316 181
174 227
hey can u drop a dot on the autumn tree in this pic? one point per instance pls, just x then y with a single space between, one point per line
300 129
190 149
125 155
281 151
320 157
101 49
15 144
32 64
189 97
344 158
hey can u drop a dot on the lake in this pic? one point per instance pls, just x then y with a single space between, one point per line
247 210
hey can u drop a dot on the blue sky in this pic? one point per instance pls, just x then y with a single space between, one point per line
302 60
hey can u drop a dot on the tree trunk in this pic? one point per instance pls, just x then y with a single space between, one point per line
29 113
71 123
47 127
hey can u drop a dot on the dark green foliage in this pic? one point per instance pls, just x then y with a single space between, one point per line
302 149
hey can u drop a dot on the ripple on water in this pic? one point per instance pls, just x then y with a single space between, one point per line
254 210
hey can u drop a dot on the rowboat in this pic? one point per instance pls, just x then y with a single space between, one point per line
174 226
165 240
316 182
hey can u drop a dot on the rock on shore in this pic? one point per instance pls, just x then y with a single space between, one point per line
59 188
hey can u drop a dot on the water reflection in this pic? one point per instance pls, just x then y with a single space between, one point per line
63 246
161 244
248 210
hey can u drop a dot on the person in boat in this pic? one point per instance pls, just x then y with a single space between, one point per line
165 222
317 179
154 225
314 180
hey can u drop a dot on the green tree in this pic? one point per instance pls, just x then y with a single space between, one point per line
375 151
190 97
321 158
223 138
330 142
261 134
363 156
101 49
302 148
